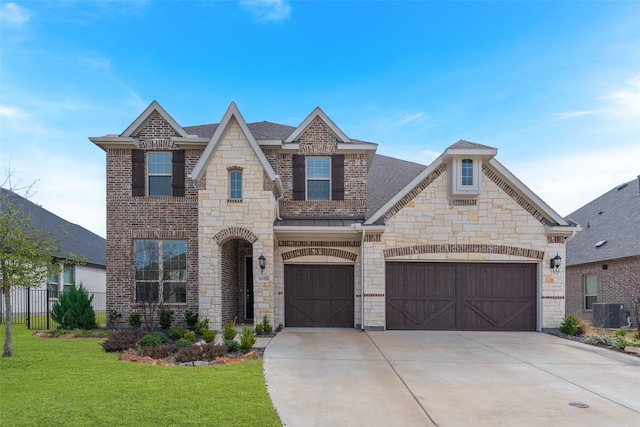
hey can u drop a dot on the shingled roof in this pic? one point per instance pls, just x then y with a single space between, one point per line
610 227
71 238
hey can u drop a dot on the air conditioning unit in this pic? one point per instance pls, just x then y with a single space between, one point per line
608 315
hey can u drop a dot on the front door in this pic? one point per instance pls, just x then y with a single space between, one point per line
248 291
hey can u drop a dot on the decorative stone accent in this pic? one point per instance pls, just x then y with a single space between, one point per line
317 139
555 239
552 297
372 237
463 248
300 244
234 168
235 233
319 251
461 202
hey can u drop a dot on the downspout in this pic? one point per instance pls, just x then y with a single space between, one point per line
358 227
281 190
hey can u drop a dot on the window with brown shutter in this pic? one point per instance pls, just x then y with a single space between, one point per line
298 177
137 173
177 179
337 177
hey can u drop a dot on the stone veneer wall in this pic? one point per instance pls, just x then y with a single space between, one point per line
618 283
221 220
154 218
496 229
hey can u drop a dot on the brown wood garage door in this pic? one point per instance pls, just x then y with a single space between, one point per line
464 296
318 295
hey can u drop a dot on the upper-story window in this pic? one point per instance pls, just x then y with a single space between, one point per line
235 185
159 173
467 172
318 178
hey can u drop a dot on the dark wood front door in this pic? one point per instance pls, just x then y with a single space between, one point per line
248 285
461 296
318 295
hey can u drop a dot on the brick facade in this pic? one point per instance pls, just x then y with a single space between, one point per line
618 281
424 225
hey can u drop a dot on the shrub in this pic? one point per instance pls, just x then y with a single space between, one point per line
153 339
190 335
232 345
134 320
264 327
207 352
166 318
73 309
121 340
183 342
190 318
209 335
229 331
636 335
621 333
177 332
159 352
113 316
571 325
247 340
201 326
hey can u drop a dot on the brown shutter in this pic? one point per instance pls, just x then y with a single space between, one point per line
298 177
337 177
137 173
177 173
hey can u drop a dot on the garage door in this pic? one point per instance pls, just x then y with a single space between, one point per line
464 296
318 295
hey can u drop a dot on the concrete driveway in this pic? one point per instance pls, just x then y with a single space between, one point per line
337 377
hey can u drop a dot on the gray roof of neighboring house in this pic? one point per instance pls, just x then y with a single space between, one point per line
613 218
71 238
387 176
260 130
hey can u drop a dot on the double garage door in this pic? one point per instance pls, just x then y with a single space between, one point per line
318 296
461 296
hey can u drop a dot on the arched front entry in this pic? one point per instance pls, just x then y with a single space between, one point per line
236 274
237 280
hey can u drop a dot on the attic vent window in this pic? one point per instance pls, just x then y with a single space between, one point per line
621 186
600 243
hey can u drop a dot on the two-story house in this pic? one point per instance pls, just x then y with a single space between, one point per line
310 227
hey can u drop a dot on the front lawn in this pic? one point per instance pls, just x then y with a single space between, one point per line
74 382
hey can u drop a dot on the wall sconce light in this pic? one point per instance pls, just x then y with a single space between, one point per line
261 261
555 263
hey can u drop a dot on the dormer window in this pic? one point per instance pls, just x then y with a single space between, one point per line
467 172
465 182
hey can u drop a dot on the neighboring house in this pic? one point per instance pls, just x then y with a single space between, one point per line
603 260
309 227
82 255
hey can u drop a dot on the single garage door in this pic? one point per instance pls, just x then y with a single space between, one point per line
461 296
318 295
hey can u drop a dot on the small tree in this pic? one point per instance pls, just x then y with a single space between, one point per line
25 251
73 309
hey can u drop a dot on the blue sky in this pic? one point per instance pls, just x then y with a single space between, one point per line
554 86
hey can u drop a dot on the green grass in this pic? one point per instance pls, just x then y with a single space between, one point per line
73 382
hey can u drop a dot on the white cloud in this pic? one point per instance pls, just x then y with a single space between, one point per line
623 103
412 118
13 15
11 112
267 10
566 183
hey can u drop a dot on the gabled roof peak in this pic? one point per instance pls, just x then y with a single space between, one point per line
138 123
462 144
317 113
